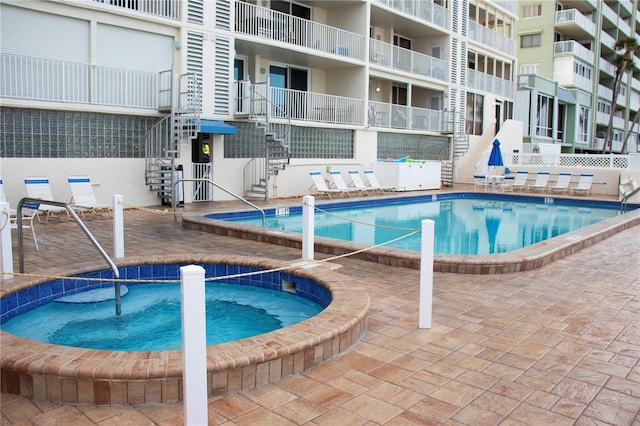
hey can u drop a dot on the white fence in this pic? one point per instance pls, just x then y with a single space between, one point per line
27 77
605 161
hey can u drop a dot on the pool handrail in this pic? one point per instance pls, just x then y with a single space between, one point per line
244 200
625 199
76 218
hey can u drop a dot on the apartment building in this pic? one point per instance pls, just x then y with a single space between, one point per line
566 55
250 95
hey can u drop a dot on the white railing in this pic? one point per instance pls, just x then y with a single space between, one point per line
591 161
390 56
404 117
166 8
271 25
493 39
307 106
574 48
489 83
425 10
26 77
573 15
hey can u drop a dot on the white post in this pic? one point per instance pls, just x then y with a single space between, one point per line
118 226
308 226
426 274
6 251
194 344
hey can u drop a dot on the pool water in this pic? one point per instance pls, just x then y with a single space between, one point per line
469 226
151 318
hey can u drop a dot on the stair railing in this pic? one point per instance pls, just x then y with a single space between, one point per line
76 219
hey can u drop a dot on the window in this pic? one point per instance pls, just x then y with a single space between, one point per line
544 116
560 120
529 68
531 10
582 135
530 40
474 113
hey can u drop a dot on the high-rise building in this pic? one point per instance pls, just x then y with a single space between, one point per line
250 94
567 70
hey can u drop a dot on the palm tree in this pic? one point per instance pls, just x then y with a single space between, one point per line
623 62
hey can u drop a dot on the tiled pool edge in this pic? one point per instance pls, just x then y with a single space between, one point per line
525 259
79 376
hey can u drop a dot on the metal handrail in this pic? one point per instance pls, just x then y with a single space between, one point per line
72 213
623 202
175 201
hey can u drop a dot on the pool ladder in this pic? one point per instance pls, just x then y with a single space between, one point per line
623 202
72 214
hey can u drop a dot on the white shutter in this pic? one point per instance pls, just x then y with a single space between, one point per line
32 33
222 76
133 49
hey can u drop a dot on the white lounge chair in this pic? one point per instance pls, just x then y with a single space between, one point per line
481 182
38 187
584 184
336 182
357 182
321 186
542 178
562 184
82 197
29 212
507 184
520 181
373 182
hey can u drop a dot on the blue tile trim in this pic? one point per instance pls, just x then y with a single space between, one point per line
30 298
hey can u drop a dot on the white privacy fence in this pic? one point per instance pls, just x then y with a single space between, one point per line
26 77
591 161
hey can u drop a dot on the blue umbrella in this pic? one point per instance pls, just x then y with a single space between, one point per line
495 158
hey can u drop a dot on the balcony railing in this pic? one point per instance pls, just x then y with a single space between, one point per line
574 48
26 77
166 9
390 56
405 117
271 25
574 15
490 38
489 83
424 10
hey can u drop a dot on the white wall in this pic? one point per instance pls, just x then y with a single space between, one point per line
108 177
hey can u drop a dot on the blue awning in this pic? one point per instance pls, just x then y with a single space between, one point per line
217 127
565 96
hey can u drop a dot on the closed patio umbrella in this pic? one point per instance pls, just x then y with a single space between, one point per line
495 158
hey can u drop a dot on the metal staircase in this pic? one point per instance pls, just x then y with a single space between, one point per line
274 120
459 146
180 97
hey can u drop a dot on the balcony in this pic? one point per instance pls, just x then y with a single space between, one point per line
267 24
574 48
607 67
491 39
405 117
574 24
48 80
489 83
608 42
423 10
394 57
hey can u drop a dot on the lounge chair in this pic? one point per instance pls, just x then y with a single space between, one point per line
29 212
562 184
481 182
584 184
321 186
38 187
374 184
520 181
357 182
506 184
82 197
3 198
335 177
542 178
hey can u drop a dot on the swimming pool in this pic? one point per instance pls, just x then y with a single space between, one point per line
500 260
468 226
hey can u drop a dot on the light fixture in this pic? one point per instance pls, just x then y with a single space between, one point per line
377 89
